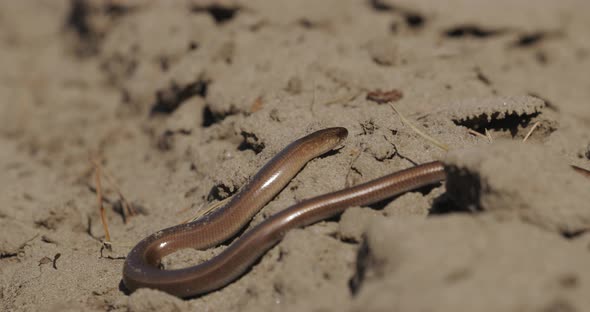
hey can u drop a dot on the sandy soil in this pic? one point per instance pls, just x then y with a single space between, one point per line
181 102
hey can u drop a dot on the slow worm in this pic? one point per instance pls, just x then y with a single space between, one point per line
141 265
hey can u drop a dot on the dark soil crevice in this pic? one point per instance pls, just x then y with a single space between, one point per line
251 142
221 14
363 261
472 31
512 122
168 100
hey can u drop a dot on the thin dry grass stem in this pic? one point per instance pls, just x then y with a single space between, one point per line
471 131
183 210
345 98
97 174
197 215
128 209
489 135
356 153
207 210
420 132
535 125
